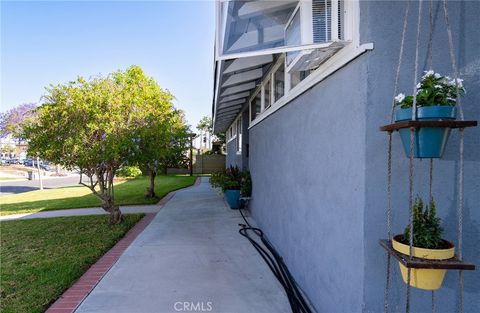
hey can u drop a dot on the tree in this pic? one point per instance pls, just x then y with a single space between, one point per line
160 136
12 120
205 125
93 125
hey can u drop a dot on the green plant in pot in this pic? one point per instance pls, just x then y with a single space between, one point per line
230 182
427 244
436 97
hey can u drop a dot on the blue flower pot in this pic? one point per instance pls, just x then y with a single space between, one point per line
232 197
429 142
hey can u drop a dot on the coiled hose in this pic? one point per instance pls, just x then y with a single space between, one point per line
276 265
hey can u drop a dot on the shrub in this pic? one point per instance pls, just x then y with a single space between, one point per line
129 171
427 232
246 189
231 178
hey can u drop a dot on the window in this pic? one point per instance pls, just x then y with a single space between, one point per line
293 35
328 27
239 134
231 132
297 77
267 97
318 22
279 82
255 106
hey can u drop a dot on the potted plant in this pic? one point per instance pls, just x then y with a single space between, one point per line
427 244
436 99
230 181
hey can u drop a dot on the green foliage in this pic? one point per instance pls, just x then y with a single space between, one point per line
427 232
129 171
43 257
97 125
246 189
232 178
205 124
434 89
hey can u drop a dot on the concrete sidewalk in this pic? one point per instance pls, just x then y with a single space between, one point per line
189 259
147 208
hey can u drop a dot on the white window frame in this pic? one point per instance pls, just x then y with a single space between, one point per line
231 135
280 63
351 50
254 95
239 132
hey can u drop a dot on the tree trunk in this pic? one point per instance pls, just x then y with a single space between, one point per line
114 210
151 189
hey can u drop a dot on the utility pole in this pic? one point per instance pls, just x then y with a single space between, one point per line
192 135
39 174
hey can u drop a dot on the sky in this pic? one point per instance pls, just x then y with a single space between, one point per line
45 43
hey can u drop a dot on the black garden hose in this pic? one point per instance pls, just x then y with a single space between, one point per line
275 262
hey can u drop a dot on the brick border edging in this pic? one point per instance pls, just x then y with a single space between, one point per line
71 299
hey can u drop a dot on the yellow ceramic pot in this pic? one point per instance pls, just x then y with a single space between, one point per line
428 279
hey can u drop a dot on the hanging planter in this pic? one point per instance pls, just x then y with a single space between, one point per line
427 244
436 98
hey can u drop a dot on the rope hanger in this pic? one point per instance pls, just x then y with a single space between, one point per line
411 164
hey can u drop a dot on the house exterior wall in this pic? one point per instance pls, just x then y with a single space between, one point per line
319 163
308 187
381 62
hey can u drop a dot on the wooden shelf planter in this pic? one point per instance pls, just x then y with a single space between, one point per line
419 124
449 264
430 136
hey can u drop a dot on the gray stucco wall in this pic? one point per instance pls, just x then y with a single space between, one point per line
385 33
319 169
307 162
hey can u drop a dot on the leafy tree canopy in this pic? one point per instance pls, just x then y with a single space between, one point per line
11 121
97 125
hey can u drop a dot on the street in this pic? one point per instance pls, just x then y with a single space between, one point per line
13 186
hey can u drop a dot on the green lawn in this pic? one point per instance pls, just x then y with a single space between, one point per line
126 192
41 258
11 178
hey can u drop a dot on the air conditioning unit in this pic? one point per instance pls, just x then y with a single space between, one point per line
312 22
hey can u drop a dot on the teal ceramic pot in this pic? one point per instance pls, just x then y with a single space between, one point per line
232 197
429 142
437 112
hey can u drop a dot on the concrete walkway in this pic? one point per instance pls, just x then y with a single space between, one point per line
148 208
189 259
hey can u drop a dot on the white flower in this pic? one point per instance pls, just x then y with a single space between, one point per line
452 99
438 86
437 75
428 73
419 86
458 81
400 98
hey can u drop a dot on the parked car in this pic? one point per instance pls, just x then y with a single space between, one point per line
3 162
28 162
12 161
47 166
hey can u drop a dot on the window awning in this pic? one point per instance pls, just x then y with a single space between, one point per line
248 36
243 29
